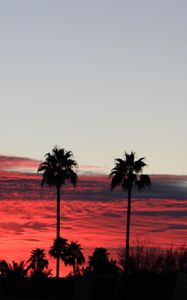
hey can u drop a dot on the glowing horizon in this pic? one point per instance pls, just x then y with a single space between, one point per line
90 214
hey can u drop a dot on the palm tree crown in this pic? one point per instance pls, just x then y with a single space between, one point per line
100 264
74 256
99 258
58 168
59 248
14 271
37 260
127 173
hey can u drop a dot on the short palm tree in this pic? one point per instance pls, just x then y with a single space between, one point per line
4 267
59 248
100 264
127 174
37 261
74 256
16 271
57 169
98 260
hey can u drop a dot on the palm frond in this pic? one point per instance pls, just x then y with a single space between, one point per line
116 180
139 164
129 158
144 181
128 181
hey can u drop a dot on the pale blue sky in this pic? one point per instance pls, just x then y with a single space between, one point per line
96 77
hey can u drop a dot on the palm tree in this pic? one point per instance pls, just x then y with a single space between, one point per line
58 168
127 174
74 256
98 260
100 264
4 267
14 271
59 249
37 260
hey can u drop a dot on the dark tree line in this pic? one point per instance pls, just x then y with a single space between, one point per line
142 260
37 266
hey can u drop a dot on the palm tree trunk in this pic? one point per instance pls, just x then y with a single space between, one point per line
128 231
74 269
58 229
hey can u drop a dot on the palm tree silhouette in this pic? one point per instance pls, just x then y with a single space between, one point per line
100 264
74 256
57 170
98 260
59 249
37 260
14 271
127 173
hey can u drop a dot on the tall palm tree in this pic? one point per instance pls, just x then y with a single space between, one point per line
57 169
127 174
74 256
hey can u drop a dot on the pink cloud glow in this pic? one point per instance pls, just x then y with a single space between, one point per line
27 224
90 214
15 163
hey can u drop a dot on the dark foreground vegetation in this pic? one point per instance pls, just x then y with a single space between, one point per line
140 273
152 275
131 286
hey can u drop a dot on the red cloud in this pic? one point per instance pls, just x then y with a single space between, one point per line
25 164
15 163
91 213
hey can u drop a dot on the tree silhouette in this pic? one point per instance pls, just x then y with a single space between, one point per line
74 256
127 173
37 260
14 271
57 169
100 264
38 264
59 249
3 268
153 260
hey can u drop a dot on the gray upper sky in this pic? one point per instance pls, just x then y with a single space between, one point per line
96 77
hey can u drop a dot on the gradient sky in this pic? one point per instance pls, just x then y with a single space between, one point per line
96 77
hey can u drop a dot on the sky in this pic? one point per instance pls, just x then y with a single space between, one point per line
98 78
95 77
91 213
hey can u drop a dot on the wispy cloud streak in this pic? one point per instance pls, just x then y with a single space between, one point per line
16 163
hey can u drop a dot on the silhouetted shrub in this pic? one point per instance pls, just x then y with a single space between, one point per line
154 259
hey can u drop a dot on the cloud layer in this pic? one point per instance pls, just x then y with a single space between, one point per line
90 214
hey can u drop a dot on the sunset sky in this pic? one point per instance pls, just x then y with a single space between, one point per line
95 77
